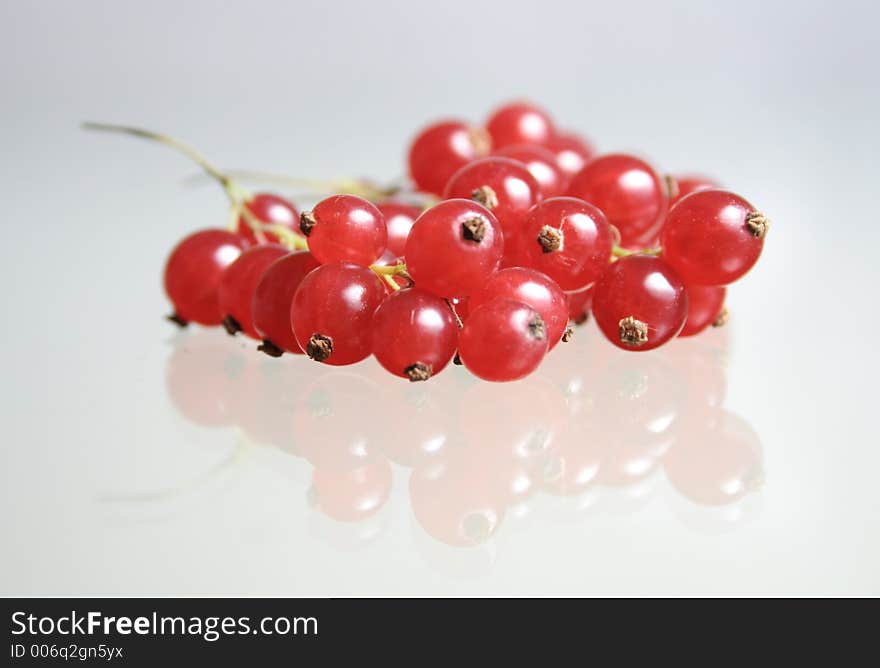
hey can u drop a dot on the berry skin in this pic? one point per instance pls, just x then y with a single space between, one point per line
271 210
685 185
705 305
442 149
193 272
506 187
399 219
571 151
541 163
713 237
272 298
579 305
628 191
453 247
519 123
503 340
639 302
332 311
414 334
239 282
567 239
532 288
345 228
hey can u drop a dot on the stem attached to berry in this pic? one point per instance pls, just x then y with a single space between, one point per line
388 272
620 251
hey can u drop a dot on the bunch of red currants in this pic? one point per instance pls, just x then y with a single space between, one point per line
511 232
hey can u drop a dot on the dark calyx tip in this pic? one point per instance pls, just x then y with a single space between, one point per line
758 224
418 371
307 222
486 196
270 348
320 347
632 332
474 229
177 320
722 318
231 325
456 360
550 239
537 328
566 336
583 318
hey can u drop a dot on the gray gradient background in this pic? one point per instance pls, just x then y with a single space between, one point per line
778 99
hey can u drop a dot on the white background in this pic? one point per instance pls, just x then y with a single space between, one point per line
110 488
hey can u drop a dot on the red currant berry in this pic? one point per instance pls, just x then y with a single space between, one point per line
705 307
442 149
271 210
238 284
579 305
628 191
519 123
332 310
713 237
399 219
682 186
567 239
533 289
639 302
571 152
503 340
541 163
272 298
345 228
453 247
414 334
193 271
506 187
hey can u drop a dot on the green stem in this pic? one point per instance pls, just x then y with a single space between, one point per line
620 251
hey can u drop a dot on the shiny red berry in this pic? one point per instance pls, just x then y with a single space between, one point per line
503 340
639 302
399 219
682 186
453 247
272 299
519 123
532 288
506 187
713 237
571 151
193 271
705 307
345 228
567 239
541 163
628 191
332 311
414 334
239 282
442 149
271 210
579 304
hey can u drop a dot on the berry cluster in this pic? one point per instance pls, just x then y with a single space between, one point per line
511 231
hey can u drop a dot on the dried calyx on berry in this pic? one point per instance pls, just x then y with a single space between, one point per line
307 222
486 196
418 371
474 229
550 239
633 332
320 347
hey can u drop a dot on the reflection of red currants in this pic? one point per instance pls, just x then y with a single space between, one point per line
238 284
193 273
440 150
355 494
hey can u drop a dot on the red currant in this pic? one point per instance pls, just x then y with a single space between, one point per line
639 302
271 210
272 298
519 123
453 247
345 228
503 340
193 271
705 304
238 284
442 149
579 305
567 239
399 219
533 289
628 191
332 310
713 237
685 185
414 334
571 152
541 163
506 187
